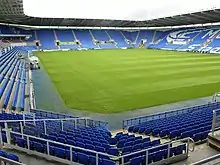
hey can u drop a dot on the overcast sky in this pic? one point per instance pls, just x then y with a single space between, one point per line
114 9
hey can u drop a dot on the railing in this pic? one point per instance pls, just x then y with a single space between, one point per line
143 119
56 115
216 121
169 144
97 154
208 160
5 161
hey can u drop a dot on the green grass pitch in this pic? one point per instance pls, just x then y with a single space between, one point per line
111 81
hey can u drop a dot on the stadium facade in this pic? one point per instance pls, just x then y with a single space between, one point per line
162 138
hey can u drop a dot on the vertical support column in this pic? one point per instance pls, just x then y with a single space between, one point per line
7 133
71 153
22 129
28 142
146 157
187 150
213 122
97 159
1 141
168 151
45 127
48 148
122 161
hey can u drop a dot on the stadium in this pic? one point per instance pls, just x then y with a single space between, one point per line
100 83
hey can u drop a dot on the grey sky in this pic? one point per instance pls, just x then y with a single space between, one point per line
115 9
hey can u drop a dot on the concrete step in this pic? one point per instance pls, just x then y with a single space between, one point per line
214 141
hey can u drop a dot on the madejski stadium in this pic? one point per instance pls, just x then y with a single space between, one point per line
109 92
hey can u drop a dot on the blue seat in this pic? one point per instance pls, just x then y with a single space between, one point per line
155 142
21 142
205 135
164 133
74 155
197 137
99 149
121 143
92 160
137 147
150 158
136 161
159 155
180 149
113 151
155 132
70 142
146 145
106 146
127 149
61 140
147 131
89 146
97 144
39 147
108 162
59 152
112 141
83 158
3 153
79 144
13 157
138 141
130 129
146 140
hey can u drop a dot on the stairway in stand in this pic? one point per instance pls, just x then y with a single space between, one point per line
110 38
75 39
56 38
93 38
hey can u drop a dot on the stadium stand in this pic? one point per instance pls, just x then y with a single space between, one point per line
13 81
194 122
70 138
184 39
85 139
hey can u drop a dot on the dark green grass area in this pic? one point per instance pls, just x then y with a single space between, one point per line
111 81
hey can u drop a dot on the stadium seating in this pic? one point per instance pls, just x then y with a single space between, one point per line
65 36
195 124
12 75
88 140
47 39
10 156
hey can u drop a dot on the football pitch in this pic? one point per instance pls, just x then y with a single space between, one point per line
111 81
